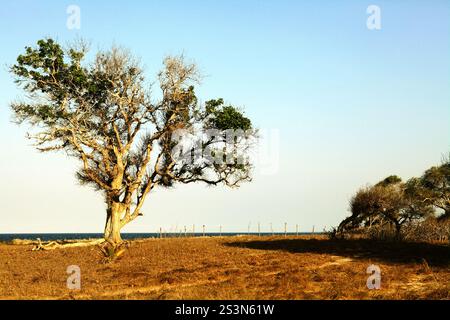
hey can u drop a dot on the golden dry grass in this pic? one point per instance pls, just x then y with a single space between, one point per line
231 268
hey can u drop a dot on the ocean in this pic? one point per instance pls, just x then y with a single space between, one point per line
5 237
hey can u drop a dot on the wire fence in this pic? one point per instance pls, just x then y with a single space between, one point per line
220 231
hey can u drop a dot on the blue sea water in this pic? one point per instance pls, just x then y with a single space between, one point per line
5 237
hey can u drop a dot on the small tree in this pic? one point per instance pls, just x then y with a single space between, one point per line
102 114
434 188
387 202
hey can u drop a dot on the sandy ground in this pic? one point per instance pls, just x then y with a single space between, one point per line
231 268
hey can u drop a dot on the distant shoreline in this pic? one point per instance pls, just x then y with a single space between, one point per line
7 237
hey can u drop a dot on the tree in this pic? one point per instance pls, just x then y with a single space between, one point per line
415 208
434 188
102 114
387 202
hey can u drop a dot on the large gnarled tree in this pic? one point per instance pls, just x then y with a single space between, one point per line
102 113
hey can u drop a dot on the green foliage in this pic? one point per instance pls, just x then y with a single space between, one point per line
225 117
48 69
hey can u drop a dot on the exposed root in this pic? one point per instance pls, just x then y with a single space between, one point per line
52 245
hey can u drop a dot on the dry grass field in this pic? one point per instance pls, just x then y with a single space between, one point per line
231 268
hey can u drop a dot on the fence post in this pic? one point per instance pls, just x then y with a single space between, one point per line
160 232
271 228
259 229
220 232
285 229
193 230
296 229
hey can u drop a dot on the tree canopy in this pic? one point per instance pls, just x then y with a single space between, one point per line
393 202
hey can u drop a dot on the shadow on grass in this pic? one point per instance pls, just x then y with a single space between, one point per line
390 252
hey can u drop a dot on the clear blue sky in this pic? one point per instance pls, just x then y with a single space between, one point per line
352 105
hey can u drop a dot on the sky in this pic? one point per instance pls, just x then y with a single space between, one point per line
339 105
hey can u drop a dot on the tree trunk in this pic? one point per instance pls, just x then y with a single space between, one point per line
113 225
342 226
107 231
398 228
